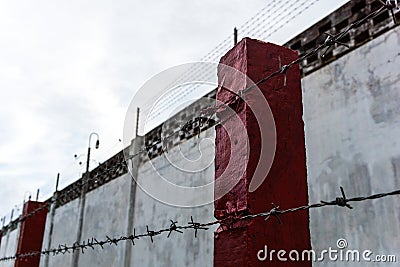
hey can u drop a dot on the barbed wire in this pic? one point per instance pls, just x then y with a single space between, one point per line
272 7
204 118
276 22
174 227
269 32
201 71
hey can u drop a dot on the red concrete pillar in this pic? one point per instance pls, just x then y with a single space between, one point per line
286 182
31 234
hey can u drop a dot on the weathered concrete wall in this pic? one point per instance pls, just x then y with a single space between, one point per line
352 123
9 244
180 249
106 214
64 232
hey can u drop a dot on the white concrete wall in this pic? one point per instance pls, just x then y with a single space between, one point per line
180 249
9 245
352 125
106 214
64 232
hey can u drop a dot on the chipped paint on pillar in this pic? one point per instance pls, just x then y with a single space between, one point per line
286 183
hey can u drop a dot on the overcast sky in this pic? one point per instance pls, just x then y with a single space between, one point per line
68 68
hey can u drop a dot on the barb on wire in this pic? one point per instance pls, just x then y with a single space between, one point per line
340 201
331 41
196 226
275 213
151 233
173 227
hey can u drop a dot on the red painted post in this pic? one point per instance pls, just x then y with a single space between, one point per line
286 182
31 234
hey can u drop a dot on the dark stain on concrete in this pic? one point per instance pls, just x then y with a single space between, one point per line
384 107
396 171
